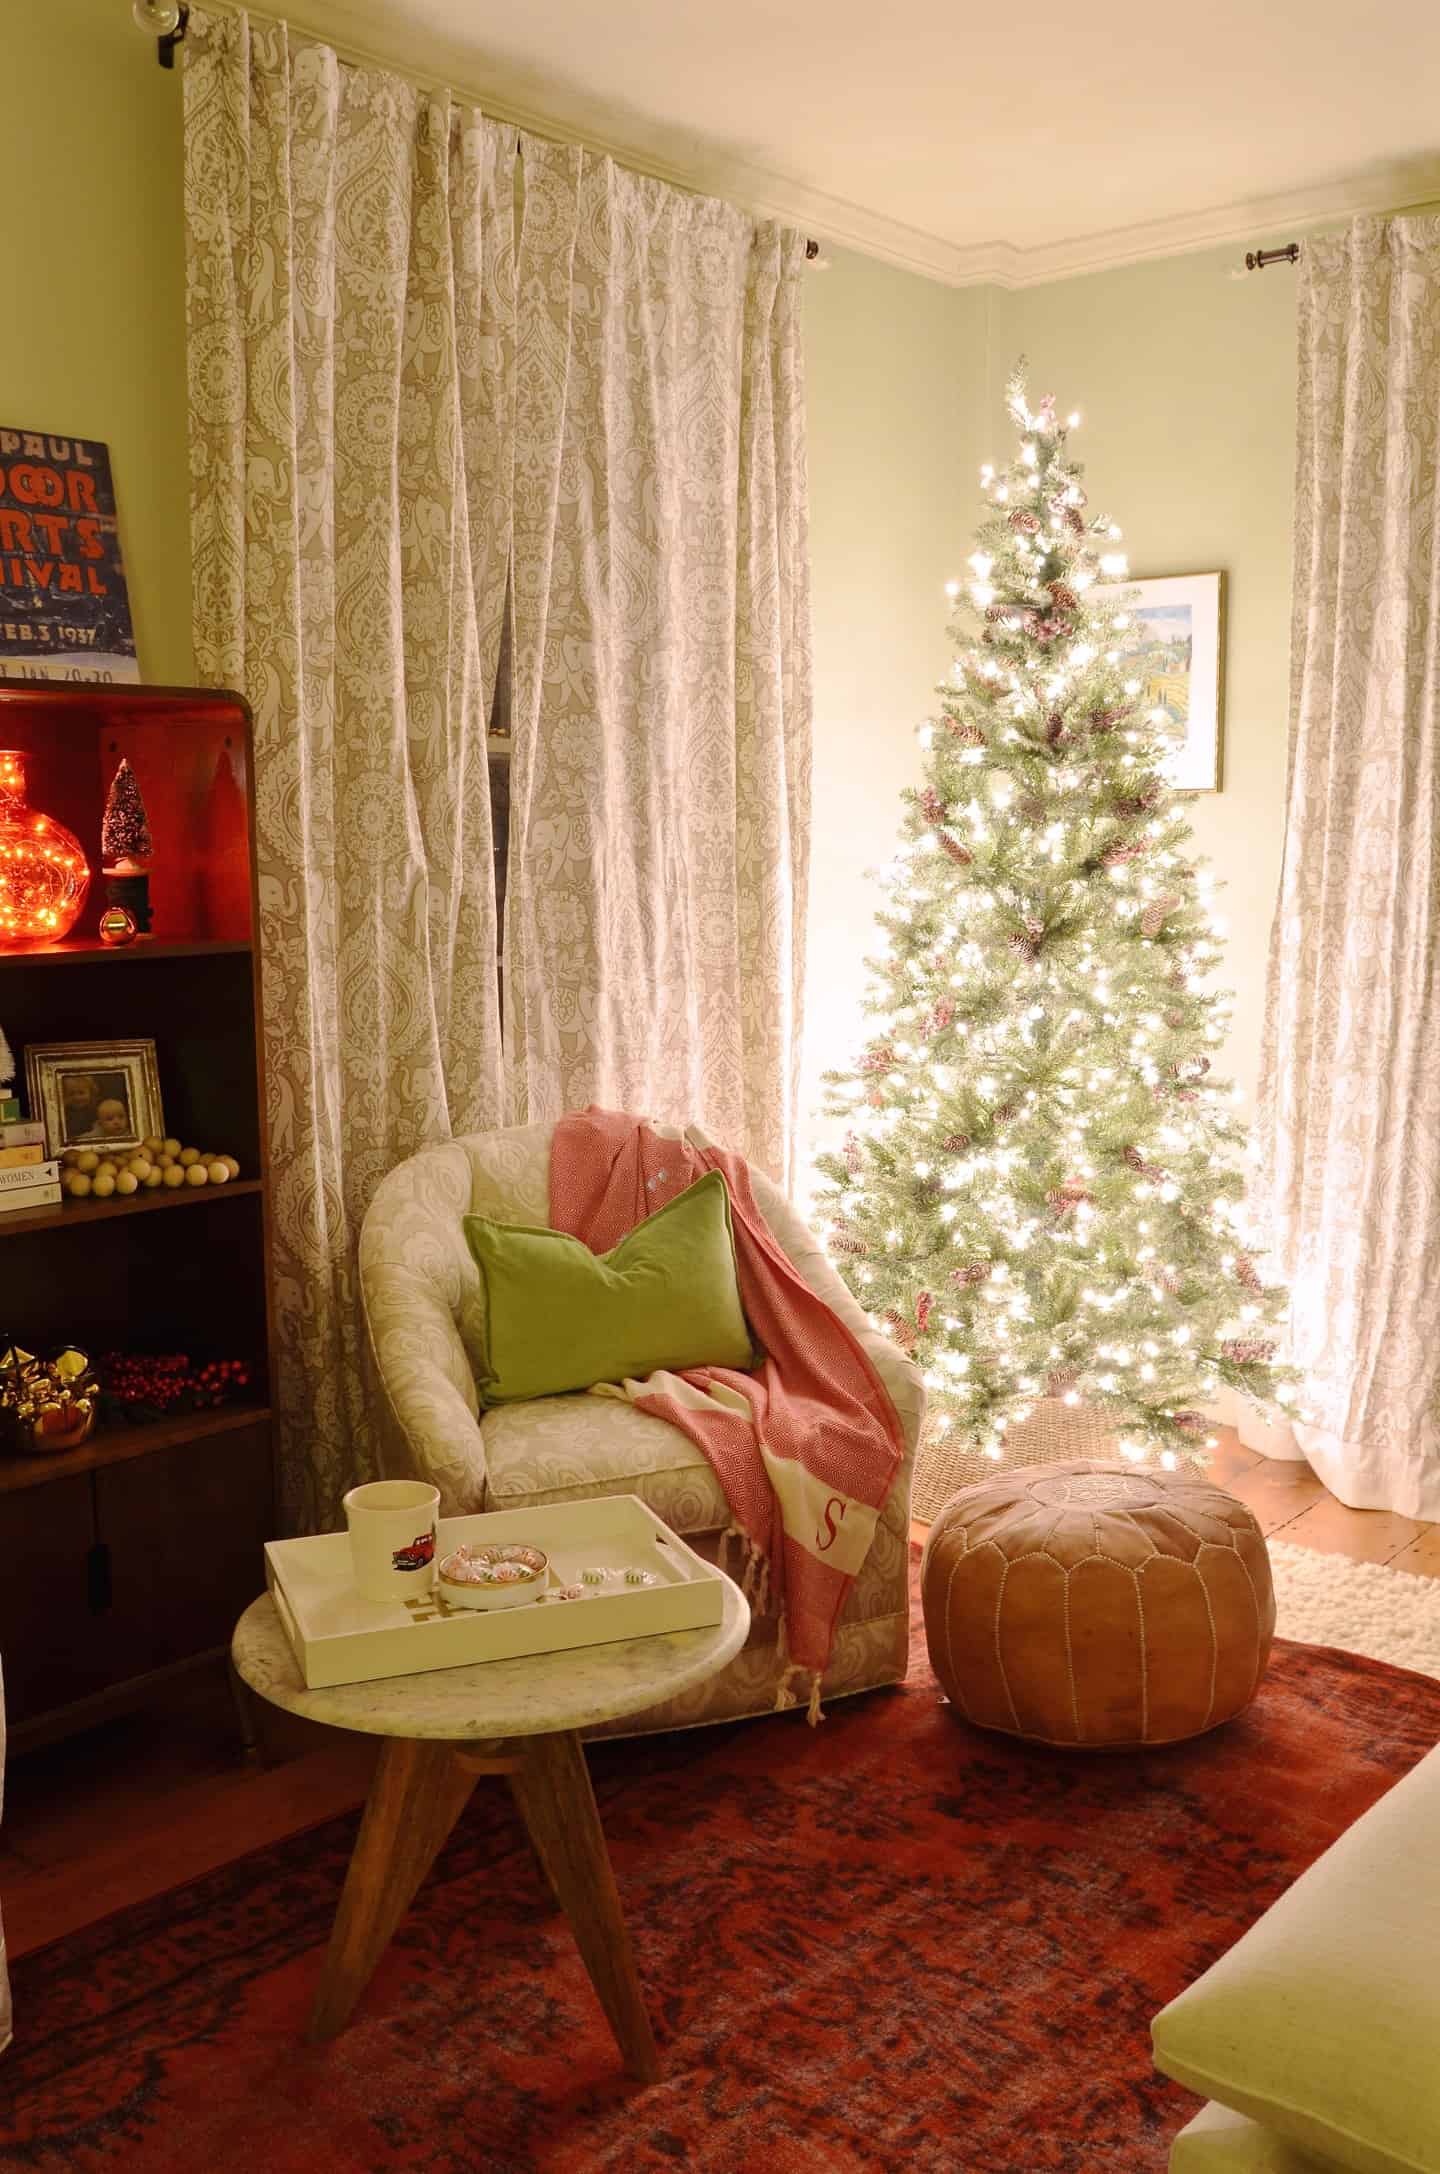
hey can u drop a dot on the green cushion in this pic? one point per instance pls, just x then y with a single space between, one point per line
559 1317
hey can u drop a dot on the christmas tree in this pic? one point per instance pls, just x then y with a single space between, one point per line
1038 1193
124 831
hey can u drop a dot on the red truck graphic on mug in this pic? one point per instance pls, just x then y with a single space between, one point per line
420 1552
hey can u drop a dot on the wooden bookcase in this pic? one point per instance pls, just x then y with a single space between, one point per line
126 1561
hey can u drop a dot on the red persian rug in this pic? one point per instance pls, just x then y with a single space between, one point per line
888 1943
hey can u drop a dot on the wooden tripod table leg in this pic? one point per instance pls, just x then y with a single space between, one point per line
551 1783
419 1791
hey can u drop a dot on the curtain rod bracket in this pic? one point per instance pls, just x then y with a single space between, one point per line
165 46
1257 259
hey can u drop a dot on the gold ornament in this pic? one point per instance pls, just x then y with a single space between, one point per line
46 1406
117 927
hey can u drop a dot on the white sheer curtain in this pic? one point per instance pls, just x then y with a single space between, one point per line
659 842
1350 1104
350 273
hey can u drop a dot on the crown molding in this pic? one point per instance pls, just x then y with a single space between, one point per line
1392 187
367 31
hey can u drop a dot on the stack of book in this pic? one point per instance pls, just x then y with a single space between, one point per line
27 1178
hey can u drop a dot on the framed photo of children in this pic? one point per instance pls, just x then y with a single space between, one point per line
104 1095
1179 643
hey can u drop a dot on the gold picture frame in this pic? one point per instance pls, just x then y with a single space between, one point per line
101 1095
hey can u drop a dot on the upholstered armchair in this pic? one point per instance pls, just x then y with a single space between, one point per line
422 1299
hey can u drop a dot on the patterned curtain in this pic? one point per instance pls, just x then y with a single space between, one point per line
351 311
1350 1112
659 830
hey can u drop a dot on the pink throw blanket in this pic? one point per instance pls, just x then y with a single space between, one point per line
807 1447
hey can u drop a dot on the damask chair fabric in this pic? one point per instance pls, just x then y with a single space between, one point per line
423 1311
1091 1604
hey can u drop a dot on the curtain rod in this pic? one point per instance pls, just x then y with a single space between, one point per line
172 25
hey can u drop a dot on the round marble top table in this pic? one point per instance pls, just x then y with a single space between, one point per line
446 1728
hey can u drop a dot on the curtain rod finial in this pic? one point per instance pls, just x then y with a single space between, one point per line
166 21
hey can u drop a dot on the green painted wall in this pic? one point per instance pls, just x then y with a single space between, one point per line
895 381
92 333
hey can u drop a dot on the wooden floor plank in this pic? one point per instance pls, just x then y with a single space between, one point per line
1366 1536
1277 1492
1421 1558
1230 1457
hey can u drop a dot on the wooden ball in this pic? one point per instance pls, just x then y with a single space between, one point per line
196 1174
174 1176
103 1184
80 1183
218 1171
127 1182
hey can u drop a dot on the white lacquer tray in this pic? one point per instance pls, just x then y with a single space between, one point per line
340 1637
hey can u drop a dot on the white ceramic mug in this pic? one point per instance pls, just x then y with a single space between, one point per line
392 1537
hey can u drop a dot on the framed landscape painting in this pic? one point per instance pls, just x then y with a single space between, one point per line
1179 646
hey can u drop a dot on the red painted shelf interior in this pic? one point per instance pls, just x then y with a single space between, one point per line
189 756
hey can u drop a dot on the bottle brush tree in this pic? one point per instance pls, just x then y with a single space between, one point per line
125 840
1039 1191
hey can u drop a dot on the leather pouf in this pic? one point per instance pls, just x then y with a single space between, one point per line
1094 1604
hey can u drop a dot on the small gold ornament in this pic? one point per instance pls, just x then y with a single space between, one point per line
117 927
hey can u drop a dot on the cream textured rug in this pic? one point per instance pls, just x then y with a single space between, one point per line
1326 1600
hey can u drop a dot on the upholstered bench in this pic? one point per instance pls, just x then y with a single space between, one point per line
1318 2034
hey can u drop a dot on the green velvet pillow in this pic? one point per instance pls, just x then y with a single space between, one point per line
560 1317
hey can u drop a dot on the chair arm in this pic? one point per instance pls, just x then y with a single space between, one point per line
426 1407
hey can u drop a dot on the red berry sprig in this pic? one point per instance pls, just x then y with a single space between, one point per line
141 1385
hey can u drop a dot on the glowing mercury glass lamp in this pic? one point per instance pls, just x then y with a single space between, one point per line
43 873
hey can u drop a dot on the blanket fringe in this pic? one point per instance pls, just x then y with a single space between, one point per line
754 1576
755 1585
785 1697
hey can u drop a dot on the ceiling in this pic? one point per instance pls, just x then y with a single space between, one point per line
969 144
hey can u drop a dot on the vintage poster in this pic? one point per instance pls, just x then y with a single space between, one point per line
64 606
